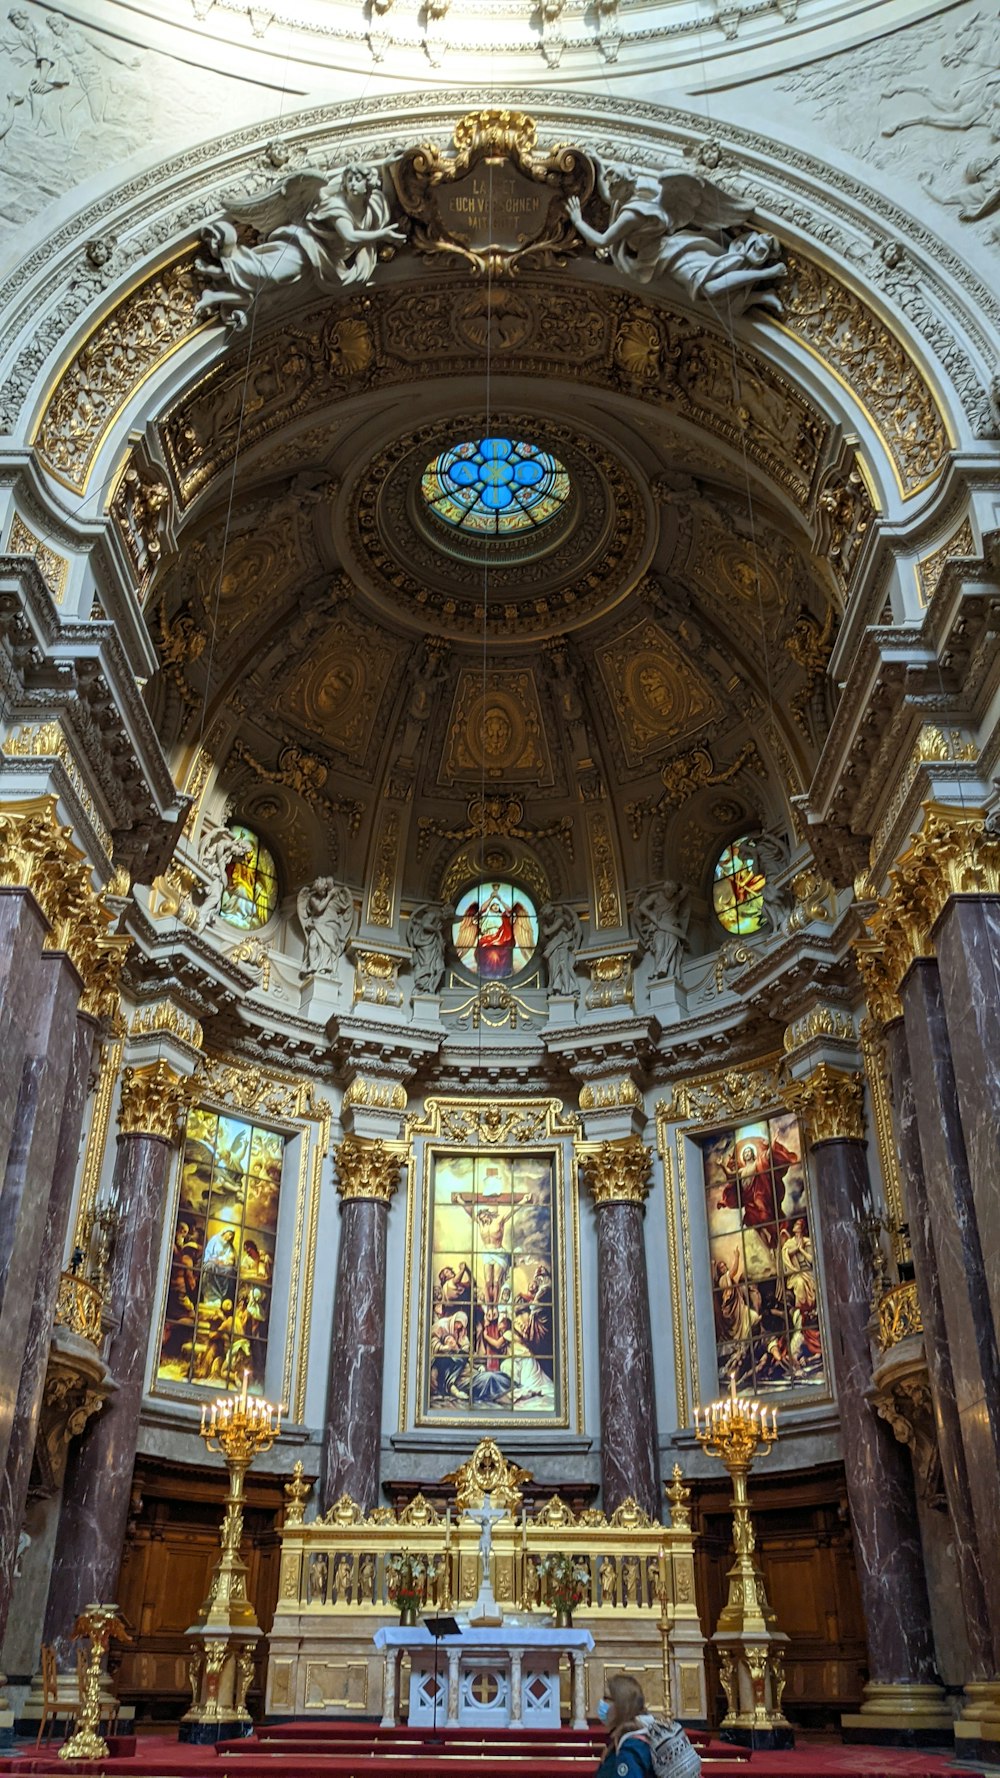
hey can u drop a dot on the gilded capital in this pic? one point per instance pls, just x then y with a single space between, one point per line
831 1103
617 1172
154 1100
367 1169
880 982
39 854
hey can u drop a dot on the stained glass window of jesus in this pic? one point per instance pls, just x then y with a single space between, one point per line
492 1291
738 888
765 1283
219 1297
495 930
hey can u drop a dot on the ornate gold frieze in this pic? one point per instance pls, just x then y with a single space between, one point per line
611 980
167 1017
154 1101
246 1088
378 1095
499 1123
656 693
861 348
367 1169
877 1075
140 508
607 891
375 978
53 568
123 348
731 1093
607 1095
899 1316
961 544
616 1172
45 740
831 1104
820 1021
382 889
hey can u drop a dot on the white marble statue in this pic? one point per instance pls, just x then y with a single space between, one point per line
661 917
329 226
219 850
428 933
561 936
771 855
326 914
680 227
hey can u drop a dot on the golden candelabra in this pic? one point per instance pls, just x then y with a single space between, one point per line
242 1427
751 1648
100 1623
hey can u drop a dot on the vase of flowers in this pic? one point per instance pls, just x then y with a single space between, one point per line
407 1583
565 1583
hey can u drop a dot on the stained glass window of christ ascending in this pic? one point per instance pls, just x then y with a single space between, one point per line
765 1286
492 1345
219 1299
495 930
495 487
738 888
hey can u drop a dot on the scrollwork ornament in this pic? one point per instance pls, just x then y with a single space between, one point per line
831 1103
367 1169
154 1099
617 1172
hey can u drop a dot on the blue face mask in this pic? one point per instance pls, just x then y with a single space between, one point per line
604 1710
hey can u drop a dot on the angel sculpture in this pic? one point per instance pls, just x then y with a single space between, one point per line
661 916
426 932
561 934
326 915
681 226
220 850
330 224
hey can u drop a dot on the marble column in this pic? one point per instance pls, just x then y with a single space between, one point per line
17 1470
617 1175
98 1485
952 1231
22 929
902 1700
967 942
31 1159
367 1177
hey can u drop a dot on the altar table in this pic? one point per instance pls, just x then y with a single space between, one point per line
486 1678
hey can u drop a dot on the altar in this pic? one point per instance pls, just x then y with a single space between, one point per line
504 1676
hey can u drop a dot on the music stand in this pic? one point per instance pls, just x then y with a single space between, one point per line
439 1626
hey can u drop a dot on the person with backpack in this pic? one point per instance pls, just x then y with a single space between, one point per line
641 1745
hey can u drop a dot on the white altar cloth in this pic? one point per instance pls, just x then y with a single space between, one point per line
502 1677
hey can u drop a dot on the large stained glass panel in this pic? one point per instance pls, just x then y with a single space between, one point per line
495 930
219 1299
765 1289
492 1292
495 487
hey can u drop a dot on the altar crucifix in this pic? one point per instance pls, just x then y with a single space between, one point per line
490 1215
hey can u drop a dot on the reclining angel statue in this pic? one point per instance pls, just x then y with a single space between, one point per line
679 226
328 224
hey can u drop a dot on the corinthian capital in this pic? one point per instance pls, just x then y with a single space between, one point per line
831 1103
617 1172
367 1169
154 1100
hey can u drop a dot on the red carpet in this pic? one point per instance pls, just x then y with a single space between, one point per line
336 1750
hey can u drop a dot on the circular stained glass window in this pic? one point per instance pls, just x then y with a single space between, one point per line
495 487
251 893
738 888
495 931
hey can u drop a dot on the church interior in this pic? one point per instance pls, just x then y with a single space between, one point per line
499 883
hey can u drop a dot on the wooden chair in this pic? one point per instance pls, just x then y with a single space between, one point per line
51 1706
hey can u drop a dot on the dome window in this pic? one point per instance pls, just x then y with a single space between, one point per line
738 888
251 893
495 487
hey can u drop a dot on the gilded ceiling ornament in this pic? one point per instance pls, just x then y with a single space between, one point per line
688 773
154 1100
501 1123
611 980
140 510
845 512
809 644
831 1103
375 978
247 1088
496 729
730 1093
53 568
385 871
656 692
616 1172
820 1021
607 887
502 861
366 1169
960 546
850 337
337 689
305 773
494 815
380 1095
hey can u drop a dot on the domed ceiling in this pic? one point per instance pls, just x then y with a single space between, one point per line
654 644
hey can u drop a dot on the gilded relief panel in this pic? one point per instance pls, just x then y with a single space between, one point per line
496 730
655 693
338 692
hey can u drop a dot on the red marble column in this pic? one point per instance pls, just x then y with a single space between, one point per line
14 1490
878 1471
617 1174
960 1262
367 1176
95 1504
22 930
983 1635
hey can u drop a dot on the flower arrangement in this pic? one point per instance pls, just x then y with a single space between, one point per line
406 1577
565 1581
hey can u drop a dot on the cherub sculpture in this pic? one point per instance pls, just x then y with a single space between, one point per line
326 914
329 225
680 226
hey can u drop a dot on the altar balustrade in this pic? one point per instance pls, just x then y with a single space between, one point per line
334 1593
